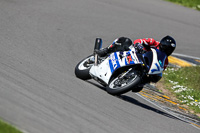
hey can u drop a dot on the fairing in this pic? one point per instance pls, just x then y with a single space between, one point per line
116 60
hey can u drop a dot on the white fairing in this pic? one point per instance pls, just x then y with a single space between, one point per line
105 69
155 66
114 61
102 71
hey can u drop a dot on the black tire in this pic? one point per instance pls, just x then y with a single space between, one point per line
123 89
81 71
137 89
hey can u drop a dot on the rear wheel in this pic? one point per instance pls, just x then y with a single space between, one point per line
83 67
122 84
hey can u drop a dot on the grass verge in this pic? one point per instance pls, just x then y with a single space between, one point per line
6 128
184 83
195 4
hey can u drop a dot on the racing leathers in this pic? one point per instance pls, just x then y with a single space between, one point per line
148 43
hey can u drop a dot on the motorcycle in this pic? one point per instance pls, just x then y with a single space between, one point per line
121 72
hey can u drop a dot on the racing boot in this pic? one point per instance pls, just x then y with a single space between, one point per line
101 52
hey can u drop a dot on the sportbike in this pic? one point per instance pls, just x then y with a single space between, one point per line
121 71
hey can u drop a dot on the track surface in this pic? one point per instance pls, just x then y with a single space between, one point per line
42 41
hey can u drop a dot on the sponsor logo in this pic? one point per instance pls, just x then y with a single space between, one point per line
114 61
118 43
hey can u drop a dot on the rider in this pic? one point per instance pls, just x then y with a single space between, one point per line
167 45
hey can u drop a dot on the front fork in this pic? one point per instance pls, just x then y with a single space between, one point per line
97 46
125 73
95 59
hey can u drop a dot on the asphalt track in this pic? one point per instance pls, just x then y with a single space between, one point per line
41 41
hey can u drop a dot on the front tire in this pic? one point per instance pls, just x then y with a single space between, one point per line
83 67
119 86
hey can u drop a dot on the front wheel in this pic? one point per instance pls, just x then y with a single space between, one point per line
83 67
119 85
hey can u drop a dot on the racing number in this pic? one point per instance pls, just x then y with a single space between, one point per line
129 58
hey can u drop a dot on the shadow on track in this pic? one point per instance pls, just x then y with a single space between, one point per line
136 102
97 85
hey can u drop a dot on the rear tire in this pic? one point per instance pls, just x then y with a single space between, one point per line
81 70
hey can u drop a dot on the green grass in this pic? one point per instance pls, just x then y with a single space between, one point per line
188 3
185 84
6 128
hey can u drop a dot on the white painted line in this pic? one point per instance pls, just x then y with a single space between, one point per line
182 55
167 111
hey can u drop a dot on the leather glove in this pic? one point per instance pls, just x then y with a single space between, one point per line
139 47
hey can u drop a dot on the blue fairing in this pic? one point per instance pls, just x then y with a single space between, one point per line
148 56
114 64
161 57
114 61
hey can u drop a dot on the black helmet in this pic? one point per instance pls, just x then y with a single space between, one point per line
167 45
